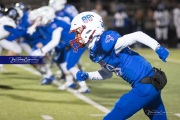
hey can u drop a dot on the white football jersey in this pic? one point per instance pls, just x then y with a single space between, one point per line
120 19
5 21
176 17
161 18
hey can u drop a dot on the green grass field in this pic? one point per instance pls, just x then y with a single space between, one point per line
23 98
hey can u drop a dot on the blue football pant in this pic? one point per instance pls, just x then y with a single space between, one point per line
69 56
74 57
141 96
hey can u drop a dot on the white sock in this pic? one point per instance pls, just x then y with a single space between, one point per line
45 71
73 71
68 76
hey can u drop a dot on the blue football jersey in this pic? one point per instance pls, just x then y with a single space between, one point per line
68 13
21 28
127 64
43 34
23 22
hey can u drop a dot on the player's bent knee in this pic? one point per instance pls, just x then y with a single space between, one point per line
112 115
117 113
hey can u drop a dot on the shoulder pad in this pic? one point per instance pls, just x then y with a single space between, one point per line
103 46
108 40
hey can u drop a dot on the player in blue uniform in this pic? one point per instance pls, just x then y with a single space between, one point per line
112 52
63 10
42 35
67 12
67 59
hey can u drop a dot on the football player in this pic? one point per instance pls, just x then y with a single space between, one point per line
112 52
67 12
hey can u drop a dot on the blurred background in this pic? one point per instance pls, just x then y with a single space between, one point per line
127 16
22 97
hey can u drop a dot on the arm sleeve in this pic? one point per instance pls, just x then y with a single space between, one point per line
132 38
56 35
100 74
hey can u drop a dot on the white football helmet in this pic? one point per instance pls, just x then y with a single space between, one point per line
43 15
86 25
57 4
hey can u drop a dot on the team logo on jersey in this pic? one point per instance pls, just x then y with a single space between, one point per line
109 38
111 68
87 18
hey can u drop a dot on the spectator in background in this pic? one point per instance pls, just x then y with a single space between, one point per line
176 21
153 4
161 17
149 23
82 9
120 20
138 24
99 10
138 20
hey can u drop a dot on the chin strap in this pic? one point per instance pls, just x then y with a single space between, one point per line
91 36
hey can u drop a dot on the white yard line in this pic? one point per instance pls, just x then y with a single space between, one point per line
79 95
86 99
33 71
177 114
89 101
47 117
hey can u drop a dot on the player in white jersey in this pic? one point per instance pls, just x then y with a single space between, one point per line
120 20
176 21
5 44
161 17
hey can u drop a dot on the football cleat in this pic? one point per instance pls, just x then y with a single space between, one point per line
47 81
67 85
83 90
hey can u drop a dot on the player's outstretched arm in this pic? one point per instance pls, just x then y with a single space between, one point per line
143 38
97 75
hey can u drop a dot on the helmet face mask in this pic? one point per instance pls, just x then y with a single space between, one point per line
78 42
86 25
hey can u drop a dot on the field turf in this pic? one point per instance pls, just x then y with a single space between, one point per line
23 98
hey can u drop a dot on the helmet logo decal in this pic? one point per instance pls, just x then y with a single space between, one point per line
87 18
109 38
